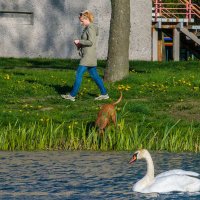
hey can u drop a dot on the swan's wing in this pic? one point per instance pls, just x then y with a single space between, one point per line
177 172
179 183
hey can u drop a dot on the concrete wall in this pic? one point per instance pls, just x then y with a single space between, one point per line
47 28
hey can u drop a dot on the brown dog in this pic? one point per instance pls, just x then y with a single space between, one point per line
106 113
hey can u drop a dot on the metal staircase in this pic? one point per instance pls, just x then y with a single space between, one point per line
191 35
179 20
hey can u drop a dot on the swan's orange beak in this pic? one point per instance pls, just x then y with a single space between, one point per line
133 159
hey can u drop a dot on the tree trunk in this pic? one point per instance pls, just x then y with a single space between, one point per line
118 46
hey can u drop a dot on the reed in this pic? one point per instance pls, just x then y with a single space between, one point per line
159 109
74 136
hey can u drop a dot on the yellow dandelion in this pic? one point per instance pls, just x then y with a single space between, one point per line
119 87
196 88
7 77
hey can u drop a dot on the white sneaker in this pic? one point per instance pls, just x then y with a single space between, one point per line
68 96
101 97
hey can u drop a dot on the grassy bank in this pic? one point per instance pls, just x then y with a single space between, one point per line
159 111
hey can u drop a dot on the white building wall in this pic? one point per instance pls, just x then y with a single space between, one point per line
47 28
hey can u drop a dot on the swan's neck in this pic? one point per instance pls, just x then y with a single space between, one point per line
149 177
150 167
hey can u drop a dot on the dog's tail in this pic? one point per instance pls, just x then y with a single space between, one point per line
120 98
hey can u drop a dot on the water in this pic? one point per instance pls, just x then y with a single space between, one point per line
84 175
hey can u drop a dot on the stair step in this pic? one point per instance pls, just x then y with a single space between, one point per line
195 27
154 14
190 35
172 20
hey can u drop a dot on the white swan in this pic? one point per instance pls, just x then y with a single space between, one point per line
169 181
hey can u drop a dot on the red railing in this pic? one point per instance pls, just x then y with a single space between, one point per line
181 9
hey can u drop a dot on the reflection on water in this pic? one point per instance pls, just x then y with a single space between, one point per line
84 175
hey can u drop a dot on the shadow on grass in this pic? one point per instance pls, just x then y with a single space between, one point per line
43 63
92 94
41 67
58 88
38 63
61 89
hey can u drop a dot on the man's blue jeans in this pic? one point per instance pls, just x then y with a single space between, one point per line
95 76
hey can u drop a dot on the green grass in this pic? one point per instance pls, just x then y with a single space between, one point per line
159 111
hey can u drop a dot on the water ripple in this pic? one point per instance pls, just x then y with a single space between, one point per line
84 175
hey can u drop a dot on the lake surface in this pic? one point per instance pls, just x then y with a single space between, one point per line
84 175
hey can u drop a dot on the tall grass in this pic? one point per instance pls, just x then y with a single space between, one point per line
73 136
155 97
